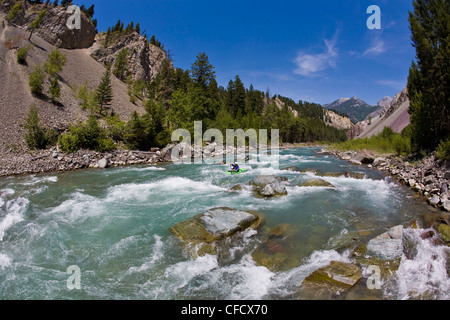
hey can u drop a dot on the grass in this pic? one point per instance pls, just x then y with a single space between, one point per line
387 142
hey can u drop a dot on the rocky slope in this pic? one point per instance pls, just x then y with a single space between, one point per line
144 59
335 120
385 102
395 116
53 28
81 69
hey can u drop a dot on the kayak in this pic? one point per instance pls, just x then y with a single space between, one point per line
237 172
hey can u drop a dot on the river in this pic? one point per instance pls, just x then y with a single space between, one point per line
114 225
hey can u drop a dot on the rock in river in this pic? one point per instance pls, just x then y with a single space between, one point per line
316 183
332 280
387 246
268 186
203 232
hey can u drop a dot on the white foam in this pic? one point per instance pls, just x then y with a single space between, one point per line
426 273
156 256
78 208
41 179
286 283
254 281
175 185
183 272
14 214
5 261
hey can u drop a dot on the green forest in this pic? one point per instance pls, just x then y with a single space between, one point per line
176 98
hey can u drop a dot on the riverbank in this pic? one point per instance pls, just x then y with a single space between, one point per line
429 176
52 160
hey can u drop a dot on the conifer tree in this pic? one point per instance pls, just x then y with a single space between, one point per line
55 90
202 71
37 22
121 65
429 75
103 94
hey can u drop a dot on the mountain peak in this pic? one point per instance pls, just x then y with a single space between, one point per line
356 108
385 102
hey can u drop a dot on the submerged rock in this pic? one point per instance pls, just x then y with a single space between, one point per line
236 187
332 280
444 232
279 250
292 168
203 232
316 183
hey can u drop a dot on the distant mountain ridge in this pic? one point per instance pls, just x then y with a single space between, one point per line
357 109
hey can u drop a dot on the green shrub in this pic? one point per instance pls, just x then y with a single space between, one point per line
55 63
35 134
443 150
387 133
69 142
106 145
87 135
402 145
22 54
14 11
36 80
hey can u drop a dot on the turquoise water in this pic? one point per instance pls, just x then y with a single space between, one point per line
114 225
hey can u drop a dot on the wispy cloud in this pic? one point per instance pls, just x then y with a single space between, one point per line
394 84
311 64
377 47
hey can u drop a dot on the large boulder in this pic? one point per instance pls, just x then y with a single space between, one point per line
166 153
103 163
268 186
364 157
204 232
387 246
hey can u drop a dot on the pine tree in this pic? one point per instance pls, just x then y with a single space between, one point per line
37 22
55 90
138 28
239 96
121 65
202 72
103 94
429 76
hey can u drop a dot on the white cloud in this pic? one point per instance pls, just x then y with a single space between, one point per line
310 64
377 47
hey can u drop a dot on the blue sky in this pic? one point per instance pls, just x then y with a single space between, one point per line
316 51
